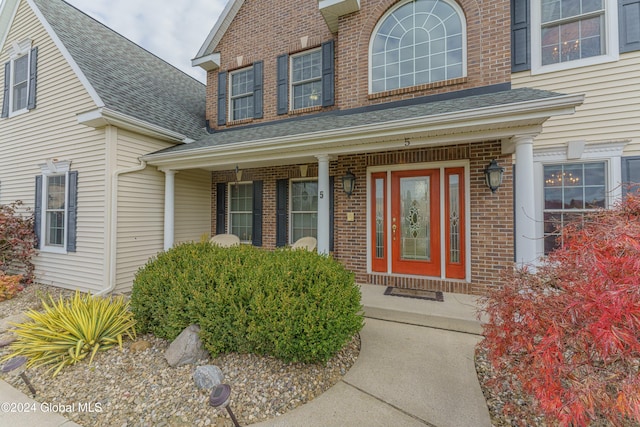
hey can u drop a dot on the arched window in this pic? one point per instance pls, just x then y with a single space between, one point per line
418 42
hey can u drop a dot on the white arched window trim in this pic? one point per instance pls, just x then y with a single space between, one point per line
463 23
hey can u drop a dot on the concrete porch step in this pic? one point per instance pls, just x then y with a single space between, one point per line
458 312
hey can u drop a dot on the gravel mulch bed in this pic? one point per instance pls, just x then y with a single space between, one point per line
127 388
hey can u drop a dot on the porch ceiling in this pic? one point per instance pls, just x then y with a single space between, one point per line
409 124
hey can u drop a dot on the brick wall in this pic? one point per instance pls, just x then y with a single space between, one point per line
491 232
264 29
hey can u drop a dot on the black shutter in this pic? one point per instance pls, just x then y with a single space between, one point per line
629 25
630 173
257 214
33 78
221 211
72 210
257 89
520 36
282 190
331 210
328 74
222 98
5 91
283 84
37 210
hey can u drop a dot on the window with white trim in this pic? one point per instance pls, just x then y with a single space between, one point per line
571 190
241 210
241 94
55 209
418 42
572 33
303 212
19 84
306 79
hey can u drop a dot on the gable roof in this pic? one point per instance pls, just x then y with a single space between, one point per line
124 79
219 28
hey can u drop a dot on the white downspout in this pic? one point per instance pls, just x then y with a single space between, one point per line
113 219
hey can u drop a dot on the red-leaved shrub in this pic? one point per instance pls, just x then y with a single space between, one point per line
17 240
569 333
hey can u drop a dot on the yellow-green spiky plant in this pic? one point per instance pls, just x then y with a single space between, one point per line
67 331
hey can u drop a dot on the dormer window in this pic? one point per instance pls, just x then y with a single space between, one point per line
19 92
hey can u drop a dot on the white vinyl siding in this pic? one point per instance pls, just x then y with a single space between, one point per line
140 225
610 109
193 205
51 132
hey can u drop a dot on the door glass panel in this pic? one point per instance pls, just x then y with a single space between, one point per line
414 222
379 186
454 219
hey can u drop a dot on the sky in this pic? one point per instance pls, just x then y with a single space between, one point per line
173 30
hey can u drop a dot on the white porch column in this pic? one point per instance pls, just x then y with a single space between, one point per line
323 204
525 201
169 207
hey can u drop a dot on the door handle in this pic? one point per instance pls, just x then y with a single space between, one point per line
394 227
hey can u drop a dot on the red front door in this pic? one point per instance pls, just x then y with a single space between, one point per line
415 222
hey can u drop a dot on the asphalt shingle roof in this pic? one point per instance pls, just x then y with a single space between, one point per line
128 79
344 119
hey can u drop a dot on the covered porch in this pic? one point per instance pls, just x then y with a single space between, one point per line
420 214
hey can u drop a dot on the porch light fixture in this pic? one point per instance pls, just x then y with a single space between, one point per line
349 183
493 175
220 396
238 174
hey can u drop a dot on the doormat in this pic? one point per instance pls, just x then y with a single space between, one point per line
415 293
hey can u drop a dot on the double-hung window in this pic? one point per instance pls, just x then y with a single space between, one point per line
55 210
19 90
571 33
241 210
306 79
304 209
241 94
571 190
56 207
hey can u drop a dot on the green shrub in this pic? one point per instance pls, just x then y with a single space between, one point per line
68 331
294 305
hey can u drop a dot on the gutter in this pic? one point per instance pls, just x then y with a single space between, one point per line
113 220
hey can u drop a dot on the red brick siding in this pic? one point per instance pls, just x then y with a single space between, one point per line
264 29
491 232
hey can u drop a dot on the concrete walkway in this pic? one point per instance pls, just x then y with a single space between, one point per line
415 368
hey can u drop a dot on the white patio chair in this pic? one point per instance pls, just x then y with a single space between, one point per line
306 243
225 240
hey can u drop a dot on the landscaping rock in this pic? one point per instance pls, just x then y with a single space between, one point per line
6 323
7 339
140 345
207 377
186 348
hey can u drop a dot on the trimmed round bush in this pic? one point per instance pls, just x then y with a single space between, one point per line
295 305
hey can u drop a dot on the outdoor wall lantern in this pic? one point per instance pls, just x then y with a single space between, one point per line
493 175
349 183
220 396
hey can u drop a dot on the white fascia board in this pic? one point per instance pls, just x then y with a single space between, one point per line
331 10
101 117
8 11
220 27
208 62
482 123
67 56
